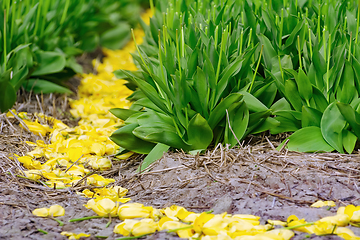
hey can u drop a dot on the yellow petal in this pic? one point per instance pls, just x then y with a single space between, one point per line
145 226
56 211
320 204
41 212
71 235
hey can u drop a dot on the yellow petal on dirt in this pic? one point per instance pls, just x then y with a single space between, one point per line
100 163
320 204
201 220
338 220
277 222
74 153
71 235
33 174
103 207
134 210
144 226
36 127
41 212
29 163
56 211
125 227
346 233
98 149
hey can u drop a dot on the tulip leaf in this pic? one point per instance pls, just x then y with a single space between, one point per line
332 125
308 139
126 139
199 133
159 132
292 94
304 85
122 113
349 141
155 154
49 62
310 117
351 116
44 86
218 113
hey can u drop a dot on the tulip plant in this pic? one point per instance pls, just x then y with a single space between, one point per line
40 39
215 71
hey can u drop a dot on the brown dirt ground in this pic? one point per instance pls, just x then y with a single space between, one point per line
255 179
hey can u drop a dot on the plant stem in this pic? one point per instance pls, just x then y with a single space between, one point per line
299 50
42 231
63 17
328 67
298 226
257 67
83 218
5 53
130 238
178 229
60 222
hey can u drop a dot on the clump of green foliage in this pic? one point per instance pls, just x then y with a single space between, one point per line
215 71
40 39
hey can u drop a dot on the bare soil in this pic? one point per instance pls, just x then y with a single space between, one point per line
254 179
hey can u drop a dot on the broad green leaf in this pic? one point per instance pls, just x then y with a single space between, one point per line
228 72
202 90
268 124
116 38
43 86
252 103
160 133
126 139
19 77
237 119
349 141
308 139
281 105
287 124
151 116
155 154
218 113
49 62
347 84
199 133
8 97
332 125
304 85
268 52
351 116
310 117
122 113
292 95
320 101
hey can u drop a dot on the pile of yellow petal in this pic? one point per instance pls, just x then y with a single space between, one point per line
72 154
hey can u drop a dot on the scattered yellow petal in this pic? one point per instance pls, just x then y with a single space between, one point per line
71 235
320 204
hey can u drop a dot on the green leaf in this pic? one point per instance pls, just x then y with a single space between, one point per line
252 103
269 52
237 119
19 77
126 139
351 116
116 38
349 141
347 89
7 92
155 154
49 62
218 113
199 133
332 125
202 90
159 132
292 95
304 85
122 113
310 117
308 139
43 86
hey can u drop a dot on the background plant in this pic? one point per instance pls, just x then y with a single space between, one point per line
40 39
